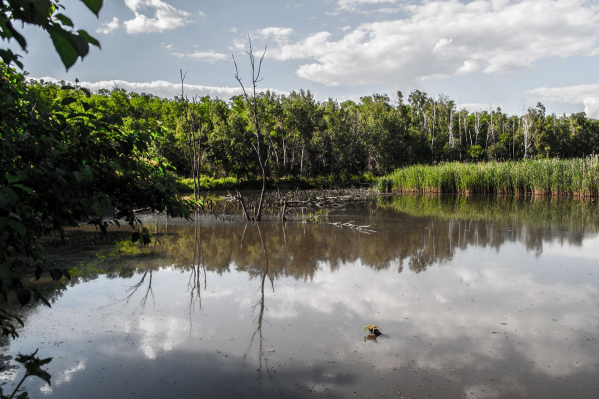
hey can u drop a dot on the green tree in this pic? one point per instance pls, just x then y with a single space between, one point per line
64 161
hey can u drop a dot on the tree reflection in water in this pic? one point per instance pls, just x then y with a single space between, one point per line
197 270
262 358
133 289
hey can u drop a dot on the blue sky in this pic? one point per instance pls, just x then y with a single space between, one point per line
479 53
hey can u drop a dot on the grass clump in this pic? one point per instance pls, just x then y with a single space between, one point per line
562 177
207 183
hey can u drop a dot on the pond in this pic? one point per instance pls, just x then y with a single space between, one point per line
475 297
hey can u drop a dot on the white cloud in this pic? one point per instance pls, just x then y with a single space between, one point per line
109 26
209 56
279 35
233 30
440 44
581 94
165 16
163 89
482 36
202 14
468 67
354 5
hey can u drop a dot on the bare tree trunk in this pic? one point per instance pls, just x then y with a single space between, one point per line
477 126
451 139
527 121
253 104
193 142
433 136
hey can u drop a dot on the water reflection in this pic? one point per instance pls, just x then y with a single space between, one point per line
417 232
479 305
262 357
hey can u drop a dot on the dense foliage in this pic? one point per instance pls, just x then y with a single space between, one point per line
65 161
307 138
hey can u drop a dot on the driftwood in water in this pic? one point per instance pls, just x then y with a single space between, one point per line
327 199
239 199
291 202
353 226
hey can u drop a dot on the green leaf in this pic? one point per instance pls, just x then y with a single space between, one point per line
23 296
68 100
18 227
85 36
56 274
81 44
21 174
24 188
86 92
11 179
64 19
94 5
135 236
78 176
58 173
38 272
34 368
7 196
66 49
66 273
45 301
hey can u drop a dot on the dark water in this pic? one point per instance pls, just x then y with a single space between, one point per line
476 298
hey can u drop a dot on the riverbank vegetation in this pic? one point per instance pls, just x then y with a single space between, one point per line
578 176
330 140
69 156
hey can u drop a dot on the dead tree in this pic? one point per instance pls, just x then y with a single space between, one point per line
252 102
193 127
527 124
477 125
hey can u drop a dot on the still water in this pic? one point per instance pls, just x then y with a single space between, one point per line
476 298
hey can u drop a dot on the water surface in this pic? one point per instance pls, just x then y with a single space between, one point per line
476 298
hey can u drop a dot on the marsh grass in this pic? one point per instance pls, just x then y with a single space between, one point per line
208 183
579 177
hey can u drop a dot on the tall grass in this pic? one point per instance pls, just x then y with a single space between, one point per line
579 177
228 183
209 183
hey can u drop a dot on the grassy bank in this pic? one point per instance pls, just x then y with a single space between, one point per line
578 177
231 183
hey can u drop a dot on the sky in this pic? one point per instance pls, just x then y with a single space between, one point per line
479 53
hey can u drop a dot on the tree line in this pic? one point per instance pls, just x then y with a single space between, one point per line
304 137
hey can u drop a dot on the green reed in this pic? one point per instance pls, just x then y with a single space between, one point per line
579 177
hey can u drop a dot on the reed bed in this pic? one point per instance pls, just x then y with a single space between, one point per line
561 177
